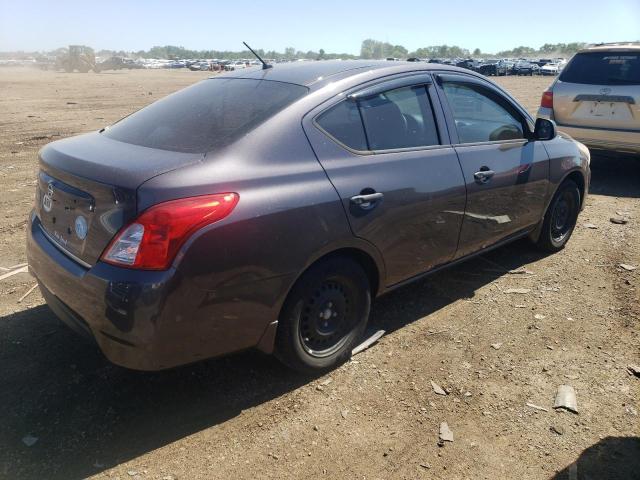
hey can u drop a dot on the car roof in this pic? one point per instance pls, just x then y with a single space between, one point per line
613 47
315 74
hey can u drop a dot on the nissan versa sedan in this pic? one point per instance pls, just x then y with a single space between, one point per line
266 208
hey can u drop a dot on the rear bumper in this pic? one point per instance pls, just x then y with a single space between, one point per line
143 320
119 309
605 139
609 139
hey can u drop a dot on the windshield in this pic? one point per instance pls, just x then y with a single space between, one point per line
208 115
603 68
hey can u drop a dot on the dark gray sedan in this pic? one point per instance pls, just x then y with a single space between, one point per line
266 208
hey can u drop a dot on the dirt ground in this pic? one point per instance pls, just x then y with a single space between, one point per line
376 417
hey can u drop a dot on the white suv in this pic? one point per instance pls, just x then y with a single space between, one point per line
596 98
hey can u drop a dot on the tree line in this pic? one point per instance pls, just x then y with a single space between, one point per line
370 49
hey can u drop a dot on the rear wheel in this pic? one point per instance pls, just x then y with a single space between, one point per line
324 316
561 217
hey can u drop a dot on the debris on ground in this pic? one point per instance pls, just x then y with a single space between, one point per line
496 346
446 435
437 388
520 271
618 220
590 225
537 407
344 413
8 269
539 316
29 440
632 369
557 429
367 343
625 266
33 287
24 269
521 291
566 399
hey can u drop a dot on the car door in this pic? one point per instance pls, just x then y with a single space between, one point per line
506 173
386 151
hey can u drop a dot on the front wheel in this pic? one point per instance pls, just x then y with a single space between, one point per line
561 217
324 316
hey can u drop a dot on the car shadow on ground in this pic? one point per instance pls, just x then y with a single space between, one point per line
88 415
615 175
612 458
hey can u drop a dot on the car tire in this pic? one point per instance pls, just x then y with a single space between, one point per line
561 217
324 316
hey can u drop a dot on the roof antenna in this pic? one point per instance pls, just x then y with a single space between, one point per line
265 65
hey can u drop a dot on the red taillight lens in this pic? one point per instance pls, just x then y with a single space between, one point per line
547 99
152 241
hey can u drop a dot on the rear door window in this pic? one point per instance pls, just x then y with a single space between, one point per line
400 118
208 115
480 115
603 68
395 119
343 123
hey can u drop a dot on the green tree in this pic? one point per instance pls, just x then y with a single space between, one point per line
289 53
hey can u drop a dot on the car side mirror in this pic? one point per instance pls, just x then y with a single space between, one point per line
544 129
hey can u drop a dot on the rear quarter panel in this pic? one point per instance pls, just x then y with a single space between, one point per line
236 273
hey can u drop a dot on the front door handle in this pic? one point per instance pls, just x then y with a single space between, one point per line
484 175
367 200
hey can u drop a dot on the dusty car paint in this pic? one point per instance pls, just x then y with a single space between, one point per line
227 285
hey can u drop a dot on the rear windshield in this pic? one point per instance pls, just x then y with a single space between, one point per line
603 68
206 116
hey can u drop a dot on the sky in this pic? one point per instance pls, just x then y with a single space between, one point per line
333 25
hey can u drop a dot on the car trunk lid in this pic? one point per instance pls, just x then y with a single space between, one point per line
599 89
86 190
597 106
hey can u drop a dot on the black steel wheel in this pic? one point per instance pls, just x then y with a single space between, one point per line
561 217
324 316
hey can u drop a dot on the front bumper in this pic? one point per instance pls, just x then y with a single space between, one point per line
143 320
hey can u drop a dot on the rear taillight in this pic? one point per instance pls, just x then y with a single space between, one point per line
152 240
547 99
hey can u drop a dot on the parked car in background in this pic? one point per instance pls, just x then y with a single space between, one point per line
543 61
119 63
523 67
469 64
508 65
266 208
492 68
550 69
596 98
199 66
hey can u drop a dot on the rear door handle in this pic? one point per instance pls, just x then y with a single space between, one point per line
484 175
367 200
